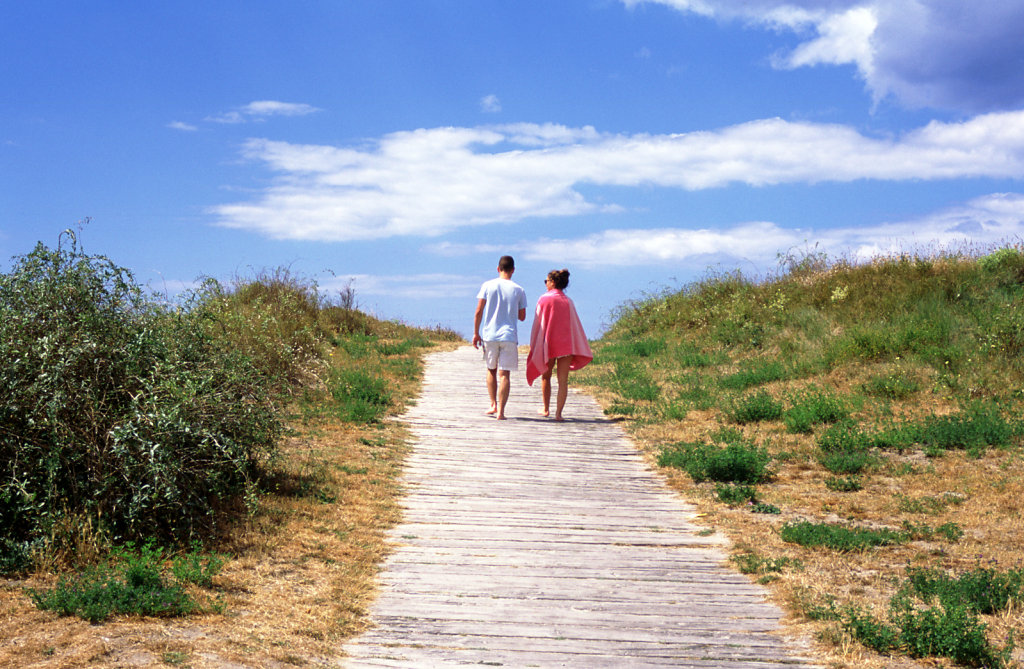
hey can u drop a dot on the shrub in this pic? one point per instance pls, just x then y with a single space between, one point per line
134 583
980 590
755 374
839 537
759 406
845 484
980 425
895 386
736 461
631 382
735 495
359 397
813 407
846 463
116 409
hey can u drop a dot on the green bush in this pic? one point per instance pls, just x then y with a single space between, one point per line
978 426
359 396
737 461
735 495
116 409
839 537
756 407
895 386
813 407
845 484
755 374
846 463
981 590
133 583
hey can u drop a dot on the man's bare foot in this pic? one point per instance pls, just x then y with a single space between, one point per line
543 412
501 417
559 419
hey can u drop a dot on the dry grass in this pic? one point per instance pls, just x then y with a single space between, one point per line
981 495
299 581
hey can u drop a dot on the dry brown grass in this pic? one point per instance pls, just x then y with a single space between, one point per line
299 581
983 496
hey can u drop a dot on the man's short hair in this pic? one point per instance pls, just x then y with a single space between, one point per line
506 264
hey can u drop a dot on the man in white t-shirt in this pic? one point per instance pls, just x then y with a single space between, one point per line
501 302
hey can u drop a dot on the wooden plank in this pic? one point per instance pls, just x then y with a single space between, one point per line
529 542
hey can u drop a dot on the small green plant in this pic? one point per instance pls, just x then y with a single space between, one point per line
632 382
895 385
844 484
737 461
813 407
931 505
764 507
846 463
755 374
981 590
951 532
735 494
839 537
752 563
359 396
756 407
133 583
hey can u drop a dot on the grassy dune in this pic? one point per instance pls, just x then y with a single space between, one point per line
210 481
856 430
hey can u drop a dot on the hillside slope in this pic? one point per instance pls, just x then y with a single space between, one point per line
856 430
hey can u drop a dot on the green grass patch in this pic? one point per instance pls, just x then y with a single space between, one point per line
731 459
754 408
851 483
812 407
839 537
755 374
134 583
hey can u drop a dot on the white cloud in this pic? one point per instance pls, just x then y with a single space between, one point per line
430 181
275 108
985 221
261 109
412 286
490 104
179 125
955 54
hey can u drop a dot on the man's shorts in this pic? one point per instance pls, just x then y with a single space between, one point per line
503 355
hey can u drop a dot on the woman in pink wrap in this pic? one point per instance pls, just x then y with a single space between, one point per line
557 342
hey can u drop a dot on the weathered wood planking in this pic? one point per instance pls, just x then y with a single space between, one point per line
533 543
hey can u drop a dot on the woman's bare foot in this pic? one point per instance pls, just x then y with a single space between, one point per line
491 411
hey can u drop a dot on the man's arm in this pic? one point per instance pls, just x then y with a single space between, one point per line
478 317
522 314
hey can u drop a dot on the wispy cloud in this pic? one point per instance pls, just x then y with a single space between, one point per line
431 181
413 286
989 220
490 104
954 55
179 125
262 109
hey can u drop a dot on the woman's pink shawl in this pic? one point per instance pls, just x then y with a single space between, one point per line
557 332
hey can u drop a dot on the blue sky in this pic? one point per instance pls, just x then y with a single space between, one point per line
405 145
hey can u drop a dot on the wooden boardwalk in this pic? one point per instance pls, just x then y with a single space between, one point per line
532 543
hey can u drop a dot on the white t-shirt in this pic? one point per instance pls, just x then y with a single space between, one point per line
503 300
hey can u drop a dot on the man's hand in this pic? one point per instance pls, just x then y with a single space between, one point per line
477 340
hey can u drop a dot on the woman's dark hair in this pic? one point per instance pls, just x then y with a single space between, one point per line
560 278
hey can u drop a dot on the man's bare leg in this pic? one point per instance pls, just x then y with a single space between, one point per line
492 391
563 385
503 389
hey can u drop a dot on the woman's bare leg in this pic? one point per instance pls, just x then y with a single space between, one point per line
563 385
545 389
